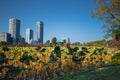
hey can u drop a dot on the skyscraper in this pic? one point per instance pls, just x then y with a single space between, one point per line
29 35
39 31
14 29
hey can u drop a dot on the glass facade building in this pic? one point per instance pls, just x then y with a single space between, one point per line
39 31
14 29
29 35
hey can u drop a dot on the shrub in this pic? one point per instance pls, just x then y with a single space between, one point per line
2 58
38 48
84 49
116 59
57 51
75 49
77 58
5 48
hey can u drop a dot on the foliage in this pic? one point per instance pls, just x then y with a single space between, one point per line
75 49
5 48
25 58
115 44
57 51
2 43
84 49
116 58
50 62
109 11
72 50
2 58
38 48
42 50
98 43
78 58
53 57
54 39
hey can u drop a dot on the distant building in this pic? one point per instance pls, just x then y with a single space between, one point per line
5 37
14 29
47 42
67 40
22 39
39 31
29 36
76 43
60 41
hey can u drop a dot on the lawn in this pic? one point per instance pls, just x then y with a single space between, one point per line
104 73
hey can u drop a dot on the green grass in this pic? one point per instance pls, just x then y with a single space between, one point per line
104 73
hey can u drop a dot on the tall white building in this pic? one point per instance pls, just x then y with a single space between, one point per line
14 29
29 36
39 31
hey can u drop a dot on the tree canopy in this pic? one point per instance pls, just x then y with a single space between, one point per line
54 39
2 43
109 11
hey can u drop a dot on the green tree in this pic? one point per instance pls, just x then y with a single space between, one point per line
109 11
2 43
54 39
64 40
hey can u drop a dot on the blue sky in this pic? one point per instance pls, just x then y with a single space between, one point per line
62 18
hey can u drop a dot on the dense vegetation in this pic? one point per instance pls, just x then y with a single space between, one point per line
46 63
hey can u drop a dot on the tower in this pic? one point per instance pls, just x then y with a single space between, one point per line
39 31
14 29
29 35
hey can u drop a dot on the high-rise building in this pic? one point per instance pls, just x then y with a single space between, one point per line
5 37
14 29
39 31
29 35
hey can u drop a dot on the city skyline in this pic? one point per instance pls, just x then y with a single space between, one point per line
62 18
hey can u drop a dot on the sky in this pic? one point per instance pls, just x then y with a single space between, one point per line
62 18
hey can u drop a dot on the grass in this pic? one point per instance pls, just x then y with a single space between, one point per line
104 73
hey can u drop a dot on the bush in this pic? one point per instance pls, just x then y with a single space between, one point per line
38 48
116 59
5 48
57 51
78 59
2 58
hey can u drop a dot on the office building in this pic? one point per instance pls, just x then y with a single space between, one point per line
14 29
29 35
5 37
39 31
